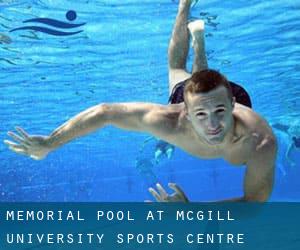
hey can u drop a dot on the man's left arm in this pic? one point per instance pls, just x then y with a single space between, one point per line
258 180
259 176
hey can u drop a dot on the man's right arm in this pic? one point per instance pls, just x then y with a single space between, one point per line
146 117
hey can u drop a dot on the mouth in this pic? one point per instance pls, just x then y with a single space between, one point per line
215 131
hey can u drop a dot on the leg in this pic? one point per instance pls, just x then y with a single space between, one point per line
196 29
179 46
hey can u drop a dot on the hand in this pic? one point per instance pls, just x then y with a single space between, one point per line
33 146
163 196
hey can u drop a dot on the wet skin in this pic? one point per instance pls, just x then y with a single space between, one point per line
211 125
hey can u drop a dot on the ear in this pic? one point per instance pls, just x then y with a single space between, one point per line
233 101
186 113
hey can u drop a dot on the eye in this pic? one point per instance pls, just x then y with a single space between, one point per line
201 114
220 111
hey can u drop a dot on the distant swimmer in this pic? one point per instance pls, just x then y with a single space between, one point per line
161 149
208 117
4 39
283 144
292 129
145 169
145 161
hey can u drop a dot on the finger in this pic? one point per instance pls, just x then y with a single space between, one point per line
177 189
9 143
16 137
154 194
12 144
161 190
18 150
23 133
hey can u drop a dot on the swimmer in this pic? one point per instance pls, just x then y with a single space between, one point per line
296 142
293 132
163 149
4 39
208 117
145 161
145 169
281 163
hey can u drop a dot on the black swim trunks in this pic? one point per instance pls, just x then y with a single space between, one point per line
240 94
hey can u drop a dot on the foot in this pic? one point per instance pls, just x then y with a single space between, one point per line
185 3
196 29
192 2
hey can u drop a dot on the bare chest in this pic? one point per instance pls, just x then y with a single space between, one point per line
238 153
235 153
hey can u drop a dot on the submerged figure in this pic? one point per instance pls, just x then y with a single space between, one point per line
292 130
209 117
283 145
5 39
145 169
145 161
161 149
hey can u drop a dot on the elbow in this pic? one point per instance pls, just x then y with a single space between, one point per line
94 117
103 111
104 107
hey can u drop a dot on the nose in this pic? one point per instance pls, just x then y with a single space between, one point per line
213 123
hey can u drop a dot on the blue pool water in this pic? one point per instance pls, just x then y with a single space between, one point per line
120 56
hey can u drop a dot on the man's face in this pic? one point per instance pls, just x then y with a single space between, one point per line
210 114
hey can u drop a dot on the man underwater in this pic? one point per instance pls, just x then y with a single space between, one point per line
208 117
292 130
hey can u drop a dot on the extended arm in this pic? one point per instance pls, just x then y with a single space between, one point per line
131 116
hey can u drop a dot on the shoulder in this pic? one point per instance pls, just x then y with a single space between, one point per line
166 116
165 122
255 128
